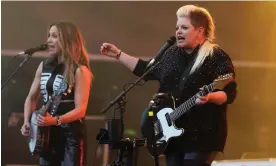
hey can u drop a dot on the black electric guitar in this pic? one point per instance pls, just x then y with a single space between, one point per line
164 128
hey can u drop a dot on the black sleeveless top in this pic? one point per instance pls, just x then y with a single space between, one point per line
52 80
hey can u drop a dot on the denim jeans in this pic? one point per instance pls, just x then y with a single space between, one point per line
66 146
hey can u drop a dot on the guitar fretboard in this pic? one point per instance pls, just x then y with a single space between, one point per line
43 110
187 105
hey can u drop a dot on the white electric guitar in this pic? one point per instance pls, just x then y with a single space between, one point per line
164 128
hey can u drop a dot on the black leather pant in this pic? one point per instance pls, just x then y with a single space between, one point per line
66 146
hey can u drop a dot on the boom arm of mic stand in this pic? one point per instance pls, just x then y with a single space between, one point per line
21 64
120 99
123 93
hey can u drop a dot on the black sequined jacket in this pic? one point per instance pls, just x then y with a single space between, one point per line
205 125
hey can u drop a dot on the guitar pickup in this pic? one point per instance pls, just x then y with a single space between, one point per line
169 121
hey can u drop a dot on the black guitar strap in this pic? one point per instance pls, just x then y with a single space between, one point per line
185 75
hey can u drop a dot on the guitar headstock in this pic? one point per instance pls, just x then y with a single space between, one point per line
223 80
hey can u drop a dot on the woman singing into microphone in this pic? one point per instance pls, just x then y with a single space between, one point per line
205 124
67 71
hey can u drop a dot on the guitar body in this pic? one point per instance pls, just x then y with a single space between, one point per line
39 136
164 129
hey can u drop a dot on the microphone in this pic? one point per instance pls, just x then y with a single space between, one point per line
30 51
160 53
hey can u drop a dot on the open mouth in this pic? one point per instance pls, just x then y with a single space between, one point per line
180 38
51 47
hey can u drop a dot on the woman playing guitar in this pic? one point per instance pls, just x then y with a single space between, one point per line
67 72
205 125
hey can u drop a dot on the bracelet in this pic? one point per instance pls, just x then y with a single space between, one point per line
118 55
58 120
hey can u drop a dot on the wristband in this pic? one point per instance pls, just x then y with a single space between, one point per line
58 120
118 55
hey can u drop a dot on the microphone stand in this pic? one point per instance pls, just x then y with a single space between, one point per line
120 100
21 64
28 57
152 108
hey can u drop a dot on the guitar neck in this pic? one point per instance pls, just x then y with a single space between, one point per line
44 109
187 105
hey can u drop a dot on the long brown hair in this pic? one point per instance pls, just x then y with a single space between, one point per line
73 51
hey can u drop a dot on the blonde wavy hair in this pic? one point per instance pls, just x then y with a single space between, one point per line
200 17
73 51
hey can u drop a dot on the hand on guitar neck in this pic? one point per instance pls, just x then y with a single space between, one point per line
218 98
46 120
43 117
202 99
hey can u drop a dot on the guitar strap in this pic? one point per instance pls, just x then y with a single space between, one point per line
183 78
